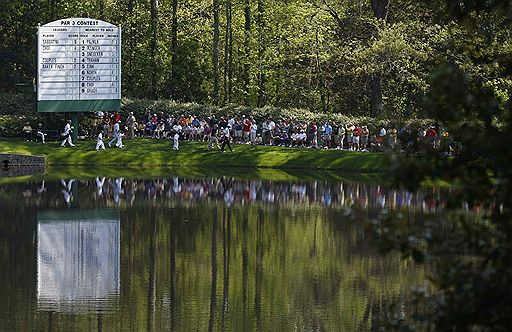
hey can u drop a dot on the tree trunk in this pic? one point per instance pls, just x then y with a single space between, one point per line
261 53
154 47
247 36
213 293
380 10
376 84
174 48
53 4
216 52
101 9
227 54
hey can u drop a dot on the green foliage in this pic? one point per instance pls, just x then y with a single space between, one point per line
317 55
470 249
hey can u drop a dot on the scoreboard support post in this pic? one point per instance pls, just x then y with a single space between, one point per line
74 123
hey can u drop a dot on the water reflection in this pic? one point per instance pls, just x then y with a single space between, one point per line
115 192
199 254
77 260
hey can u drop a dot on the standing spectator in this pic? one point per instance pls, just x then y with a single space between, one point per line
430 136
313 134
272 131
116 117
350 136
335 136
393 134
265 132
365 133
356 134
106 124
327 135
246 129
130 121
254 129
238 132
341 134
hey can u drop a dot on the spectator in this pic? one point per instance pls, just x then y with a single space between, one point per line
27 131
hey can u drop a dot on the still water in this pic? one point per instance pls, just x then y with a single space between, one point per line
200 254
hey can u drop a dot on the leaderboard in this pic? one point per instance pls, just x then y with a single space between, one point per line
79 59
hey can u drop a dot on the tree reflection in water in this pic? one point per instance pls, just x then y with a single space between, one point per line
219 254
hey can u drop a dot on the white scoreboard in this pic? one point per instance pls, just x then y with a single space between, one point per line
79 66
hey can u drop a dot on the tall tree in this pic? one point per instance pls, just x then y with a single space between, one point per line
216 72
380 11
154 48
174 48
261 53
228 53
247 49
101 9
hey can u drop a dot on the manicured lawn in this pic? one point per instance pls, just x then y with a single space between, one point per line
151 153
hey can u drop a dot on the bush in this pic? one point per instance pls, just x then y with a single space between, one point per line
17 109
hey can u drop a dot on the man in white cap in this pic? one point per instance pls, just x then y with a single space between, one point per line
67 134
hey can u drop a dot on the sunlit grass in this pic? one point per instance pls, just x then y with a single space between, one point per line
150 153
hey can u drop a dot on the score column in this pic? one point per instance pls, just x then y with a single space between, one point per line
100 60
58 63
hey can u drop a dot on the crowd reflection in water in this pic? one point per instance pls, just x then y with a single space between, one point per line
127 192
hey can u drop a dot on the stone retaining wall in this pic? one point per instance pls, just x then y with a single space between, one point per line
20 160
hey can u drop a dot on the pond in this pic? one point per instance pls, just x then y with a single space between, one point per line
205 253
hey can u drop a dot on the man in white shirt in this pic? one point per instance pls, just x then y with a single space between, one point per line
115 137
254 129
99 142
131 124
67 134
271 128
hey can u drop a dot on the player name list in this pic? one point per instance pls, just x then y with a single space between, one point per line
79 63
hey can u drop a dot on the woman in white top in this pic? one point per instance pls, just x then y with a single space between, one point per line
254 129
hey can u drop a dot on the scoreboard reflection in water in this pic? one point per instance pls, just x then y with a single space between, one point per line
77 260
79 66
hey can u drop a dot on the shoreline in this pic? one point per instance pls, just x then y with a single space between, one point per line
153 153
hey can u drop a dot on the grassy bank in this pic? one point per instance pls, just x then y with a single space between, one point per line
152 153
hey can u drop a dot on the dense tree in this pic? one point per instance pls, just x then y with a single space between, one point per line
216 70
354 57
154 48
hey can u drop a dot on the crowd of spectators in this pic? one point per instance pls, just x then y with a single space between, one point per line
270 132
246 130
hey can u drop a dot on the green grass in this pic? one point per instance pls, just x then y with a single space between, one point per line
159 153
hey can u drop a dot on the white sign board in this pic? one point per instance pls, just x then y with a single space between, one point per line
79 59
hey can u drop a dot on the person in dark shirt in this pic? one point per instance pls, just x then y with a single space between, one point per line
223 123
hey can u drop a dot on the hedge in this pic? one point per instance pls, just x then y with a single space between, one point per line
17 109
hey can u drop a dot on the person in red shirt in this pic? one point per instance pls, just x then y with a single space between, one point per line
247 129
431 135
356 137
